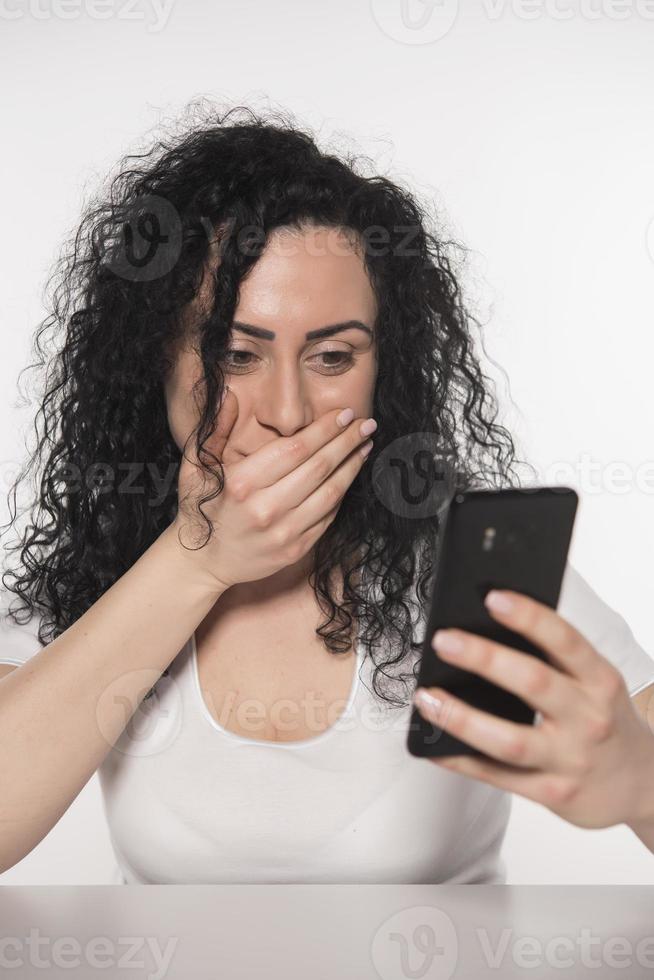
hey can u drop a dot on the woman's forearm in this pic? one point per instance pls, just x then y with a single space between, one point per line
63 710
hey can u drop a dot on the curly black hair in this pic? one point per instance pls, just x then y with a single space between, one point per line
116 312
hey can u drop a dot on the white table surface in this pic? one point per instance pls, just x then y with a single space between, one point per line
320 931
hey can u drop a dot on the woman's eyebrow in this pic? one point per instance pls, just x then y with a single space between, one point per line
328 331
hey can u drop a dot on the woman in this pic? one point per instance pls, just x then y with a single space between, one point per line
226 592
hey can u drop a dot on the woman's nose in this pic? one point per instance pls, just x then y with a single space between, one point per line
284 408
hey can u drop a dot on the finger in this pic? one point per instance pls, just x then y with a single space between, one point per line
523 746
227 415
315 531
533 786
294 489
542 686
270 464
565 646
328 495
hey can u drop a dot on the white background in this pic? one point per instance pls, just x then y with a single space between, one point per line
527 126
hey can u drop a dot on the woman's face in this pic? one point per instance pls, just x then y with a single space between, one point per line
283 377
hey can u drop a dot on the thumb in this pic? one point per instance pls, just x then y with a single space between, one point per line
227 415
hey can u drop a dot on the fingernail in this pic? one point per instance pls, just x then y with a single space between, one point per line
368 427
447 642
345 417
431 705
498 602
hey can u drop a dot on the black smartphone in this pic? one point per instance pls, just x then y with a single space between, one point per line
516 539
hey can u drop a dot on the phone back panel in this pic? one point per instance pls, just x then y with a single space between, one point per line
507 539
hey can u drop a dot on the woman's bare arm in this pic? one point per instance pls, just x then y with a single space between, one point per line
63 710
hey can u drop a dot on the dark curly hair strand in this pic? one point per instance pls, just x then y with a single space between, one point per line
232 179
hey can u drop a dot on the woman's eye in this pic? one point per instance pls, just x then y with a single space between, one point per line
343 359
241 353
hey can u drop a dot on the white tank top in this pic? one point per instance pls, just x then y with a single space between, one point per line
189 802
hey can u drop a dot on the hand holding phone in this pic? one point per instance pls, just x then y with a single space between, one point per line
515 539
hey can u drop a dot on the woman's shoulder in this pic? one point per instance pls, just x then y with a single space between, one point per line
605 628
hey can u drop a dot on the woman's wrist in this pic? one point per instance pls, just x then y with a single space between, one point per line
191 563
